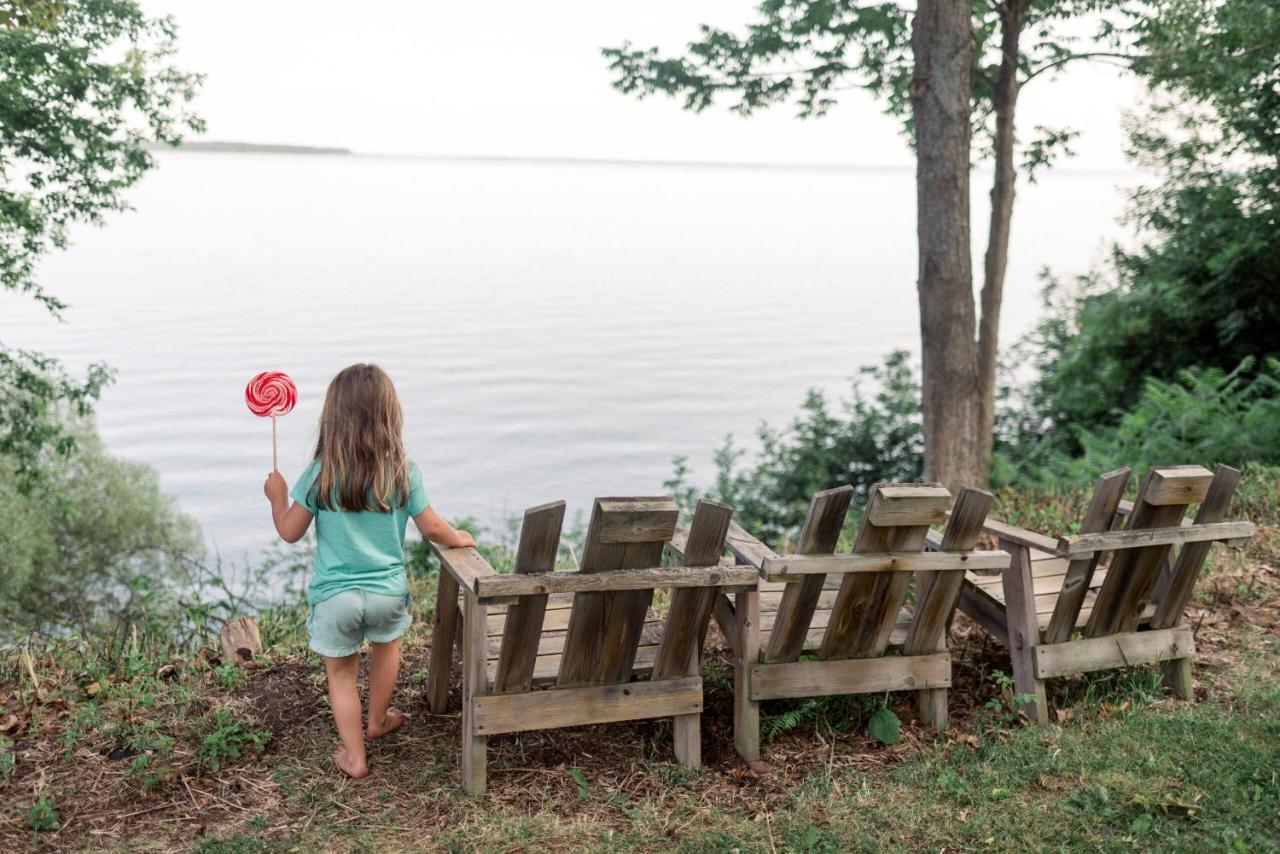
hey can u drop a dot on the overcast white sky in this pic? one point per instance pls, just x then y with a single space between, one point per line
511 77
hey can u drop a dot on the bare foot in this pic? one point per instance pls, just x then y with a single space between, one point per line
390 723
349 766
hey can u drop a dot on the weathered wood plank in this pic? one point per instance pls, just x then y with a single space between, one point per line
746 547
585 637
1079 574
746 712
443 630
1180 485
474 687
636 520
1083 545
466 566
867 605
625 614
849 676
1020 536
1023 631
790 567
937 603
1133 572
642 578
819 535
539 545
596 704
1176 592
690 609
1117 650
909 504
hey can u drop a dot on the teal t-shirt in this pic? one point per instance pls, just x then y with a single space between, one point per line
362 550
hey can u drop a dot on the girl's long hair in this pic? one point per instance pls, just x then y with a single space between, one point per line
361 453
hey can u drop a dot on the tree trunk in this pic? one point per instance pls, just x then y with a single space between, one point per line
942 47
997 257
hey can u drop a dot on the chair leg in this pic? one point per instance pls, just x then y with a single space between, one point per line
442 636
474 685
1177 677
933 707
746 712
1024 632
688 737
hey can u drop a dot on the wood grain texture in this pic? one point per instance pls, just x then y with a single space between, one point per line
595 704
1098 517
636 520
522 631
908 504
746 712
690 609
443 631
1176 592
791 567
474 687
849 676
746 548
1023 631
642 578
819 535
1020 536
1082 545
465 565
1133 572
867 605
1124 649
1181 485
585 636
937 594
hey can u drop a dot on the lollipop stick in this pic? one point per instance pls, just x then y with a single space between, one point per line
274 466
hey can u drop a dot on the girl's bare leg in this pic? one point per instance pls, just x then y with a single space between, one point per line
344 700
384 666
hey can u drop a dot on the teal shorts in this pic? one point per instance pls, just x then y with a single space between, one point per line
340 624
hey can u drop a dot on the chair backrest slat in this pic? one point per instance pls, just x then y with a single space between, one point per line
820 534
690 608
1161 502
1075 585
539 545
868 603
605 628
1175 589
938 592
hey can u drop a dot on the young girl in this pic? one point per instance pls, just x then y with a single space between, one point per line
362 490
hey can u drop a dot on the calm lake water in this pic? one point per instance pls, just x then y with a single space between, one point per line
555 330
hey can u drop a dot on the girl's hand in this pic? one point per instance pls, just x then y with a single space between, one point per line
275 488
465 541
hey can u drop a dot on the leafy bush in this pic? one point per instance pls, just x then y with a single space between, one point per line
1208 416
874 437
229 738
98 538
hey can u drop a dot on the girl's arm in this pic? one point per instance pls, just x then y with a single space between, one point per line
291 521
437 530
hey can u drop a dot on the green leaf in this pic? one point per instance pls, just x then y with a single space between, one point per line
884 727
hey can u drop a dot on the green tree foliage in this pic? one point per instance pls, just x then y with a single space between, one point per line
85 88
97 539
1203 288
874 436
807 51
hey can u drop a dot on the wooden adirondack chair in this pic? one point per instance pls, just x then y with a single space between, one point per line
1129 612
589 632
848 609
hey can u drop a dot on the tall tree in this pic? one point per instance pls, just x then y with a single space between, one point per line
942 49
85 87
807 50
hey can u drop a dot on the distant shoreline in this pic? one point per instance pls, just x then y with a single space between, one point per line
251 148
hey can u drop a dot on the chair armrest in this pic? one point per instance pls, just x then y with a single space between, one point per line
1020 536
747 548
466 565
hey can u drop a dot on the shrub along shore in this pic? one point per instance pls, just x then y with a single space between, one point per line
135 739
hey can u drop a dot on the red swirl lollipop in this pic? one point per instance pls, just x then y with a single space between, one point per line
271 393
